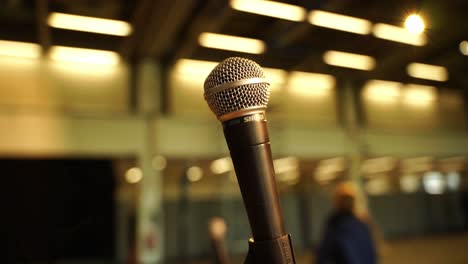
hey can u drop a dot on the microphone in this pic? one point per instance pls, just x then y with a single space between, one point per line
237 93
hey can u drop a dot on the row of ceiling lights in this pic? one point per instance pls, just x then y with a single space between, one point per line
413 34
72 54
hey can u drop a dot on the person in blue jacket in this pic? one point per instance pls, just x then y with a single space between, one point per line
347 238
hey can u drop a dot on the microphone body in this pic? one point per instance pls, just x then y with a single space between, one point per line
237 93
249 146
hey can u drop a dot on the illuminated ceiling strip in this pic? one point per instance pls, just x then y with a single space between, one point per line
340 22
426 71
270 8
398 34
349 60
232 43
20 49
69 54
89 24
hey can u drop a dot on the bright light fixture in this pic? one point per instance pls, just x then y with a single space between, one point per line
234 43
284 165
398 34
194 174
306 83
349 60
134 175
434 182
194 67
221 165
379 90
416 94
20 49
69 54
159 163
270 8
89 24
275 77
464 47
415 24
453 180
409 183
426 71
340 22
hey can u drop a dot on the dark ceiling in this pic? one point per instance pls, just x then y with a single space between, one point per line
167 30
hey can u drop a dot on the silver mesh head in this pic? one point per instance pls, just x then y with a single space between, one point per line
236 84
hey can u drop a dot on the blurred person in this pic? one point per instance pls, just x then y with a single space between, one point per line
347 237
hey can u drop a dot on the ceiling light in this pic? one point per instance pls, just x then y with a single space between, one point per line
464 47
340 22
414 24
194 174
275 77
159 163
434 182
221 165
19 49
349 60
306 83
377 186
270 8
134 175
284 165
69 54
398 34
410 183
426 71
416 94
234 43
89 24
194 67
379 90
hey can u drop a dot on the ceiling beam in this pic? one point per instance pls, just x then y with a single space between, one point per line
140 16
210 18
43 29
162 30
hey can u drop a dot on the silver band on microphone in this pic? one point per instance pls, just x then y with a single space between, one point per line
225 86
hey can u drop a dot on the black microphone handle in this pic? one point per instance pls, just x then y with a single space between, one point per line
249 145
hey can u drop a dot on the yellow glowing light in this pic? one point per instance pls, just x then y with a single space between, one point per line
275 77
340 22
398 34
415 24
310 84
233 43
464 47
196 68
419 95
349 60
194 174
426 71
89 24
134 175
159 163
284 165
382 91
221 165
69 54
270 8
20 49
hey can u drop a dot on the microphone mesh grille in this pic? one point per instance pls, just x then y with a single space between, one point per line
239 97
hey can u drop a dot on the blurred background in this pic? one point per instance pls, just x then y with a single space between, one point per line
109 153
